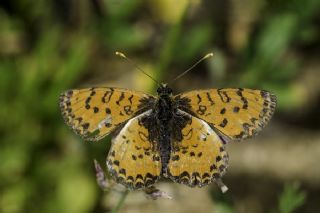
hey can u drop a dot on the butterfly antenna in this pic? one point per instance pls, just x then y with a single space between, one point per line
193 66
136 66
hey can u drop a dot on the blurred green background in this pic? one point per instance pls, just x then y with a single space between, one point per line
49 46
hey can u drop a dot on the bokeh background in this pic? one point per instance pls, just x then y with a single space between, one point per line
49 46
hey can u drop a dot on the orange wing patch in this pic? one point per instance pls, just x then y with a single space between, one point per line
94 113
237 113
199 158
132 160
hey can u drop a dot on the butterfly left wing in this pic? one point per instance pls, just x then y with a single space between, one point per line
236 113
93 113
132 159
200 157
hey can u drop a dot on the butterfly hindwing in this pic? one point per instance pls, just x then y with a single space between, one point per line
200 157
95 112
236 113
132 159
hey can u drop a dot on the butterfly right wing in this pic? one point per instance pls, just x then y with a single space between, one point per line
132 159
93 113
236 113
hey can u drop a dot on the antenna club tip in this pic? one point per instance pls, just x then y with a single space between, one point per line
120 54
208 55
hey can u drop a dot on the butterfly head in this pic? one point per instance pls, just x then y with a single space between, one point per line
164 90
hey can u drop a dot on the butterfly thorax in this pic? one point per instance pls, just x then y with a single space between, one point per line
164 109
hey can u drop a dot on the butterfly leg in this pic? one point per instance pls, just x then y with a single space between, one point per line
221 185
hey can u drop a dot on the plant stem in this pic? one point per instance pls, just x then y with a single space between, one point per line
121 202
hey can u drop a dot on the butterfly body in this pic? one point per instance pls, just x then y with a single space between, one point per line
179 137
164 123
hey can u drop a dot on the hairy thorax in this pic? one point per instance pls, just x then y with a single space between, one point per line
164 109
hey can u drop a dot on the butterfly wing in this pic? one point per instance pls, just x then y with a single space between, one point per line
236 113
200 157
95 112
132 160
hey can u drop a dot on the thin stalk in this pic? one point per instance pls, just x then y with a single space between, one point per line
121 202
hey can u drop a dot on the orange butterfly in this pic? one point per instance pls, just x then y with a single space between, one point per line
180 137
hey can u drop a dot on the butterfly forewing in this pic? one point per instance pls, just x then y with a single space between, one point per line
95 112
199 158
133 160
236 113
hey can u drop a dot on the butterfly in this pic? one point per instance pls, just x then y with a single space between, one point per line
180 137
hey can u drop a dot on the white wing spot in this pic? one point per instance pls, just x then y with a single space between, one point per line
107 120
203 137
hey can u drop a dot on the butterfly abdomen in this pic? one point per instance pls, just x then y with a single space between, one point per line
164 114
164 147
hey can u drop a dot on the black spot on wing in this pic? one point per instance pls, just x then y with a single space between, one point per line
223 123
120 99
107 96
223 96
210 99
199 99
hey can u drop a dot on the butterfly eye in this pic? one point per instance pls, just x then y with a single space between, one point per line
169 90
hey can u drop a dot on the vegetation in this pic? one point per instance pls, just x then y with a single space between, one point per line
50 46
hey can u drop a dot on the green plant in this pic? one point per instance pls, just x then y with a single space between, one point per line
291 198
